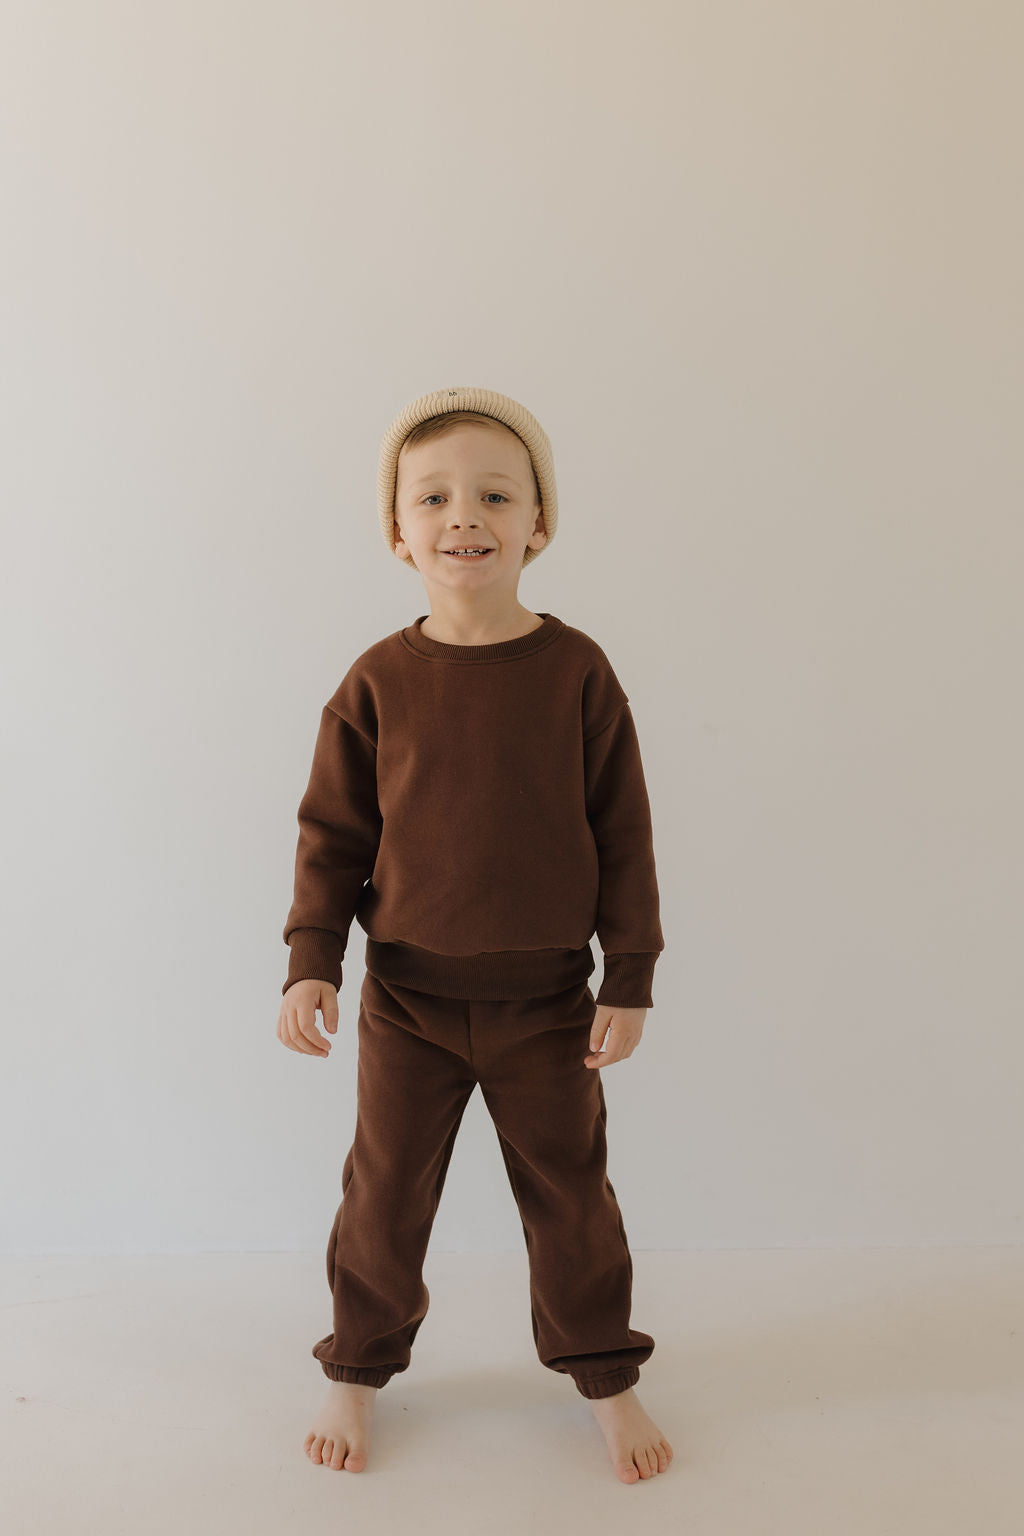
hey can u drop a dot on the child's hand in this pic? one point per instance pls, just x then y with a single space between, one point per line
624 1027
296 1023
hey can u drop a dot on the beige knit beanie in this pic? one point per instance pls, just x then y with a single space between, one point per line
442 401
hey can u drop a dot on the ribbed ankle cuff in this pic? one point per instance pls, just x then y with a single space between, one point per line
358 1375
607 1386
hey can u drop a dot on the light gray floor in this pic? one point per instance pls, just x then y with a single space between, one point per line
819 1391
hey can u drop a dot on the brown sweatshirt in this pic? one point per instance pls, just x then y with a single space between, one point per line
482 811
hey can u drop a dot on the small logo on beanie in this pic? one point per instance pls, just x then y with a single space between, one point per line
453 391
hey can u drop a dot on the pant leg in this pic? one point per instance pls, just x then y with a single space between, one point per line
550 1115
411 1094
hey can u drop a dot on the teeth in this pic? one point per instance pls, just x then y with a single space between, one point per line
465 552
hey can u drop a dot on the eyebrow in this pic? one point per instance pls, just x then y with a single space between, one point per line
489 474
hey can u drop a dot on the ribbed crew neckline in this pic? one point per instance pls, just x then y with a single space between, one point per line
501 650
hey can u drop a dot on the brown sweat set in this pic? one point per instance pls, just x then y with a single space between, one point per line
481 810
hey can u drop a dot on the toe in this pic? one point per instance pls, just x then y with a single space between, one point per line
355 1461
316 1447
338 1454
627 1472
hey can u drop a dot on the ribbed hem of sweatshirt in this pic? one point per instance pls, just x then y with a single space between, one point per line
489 977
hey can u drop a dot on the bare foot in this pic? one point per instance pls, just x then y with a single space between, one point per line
340 1436
635 1443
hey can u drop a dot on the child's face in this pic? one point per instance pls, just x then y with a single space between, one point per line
473 485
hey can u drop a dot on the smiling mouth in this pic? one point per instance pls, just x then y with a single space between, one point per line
467 555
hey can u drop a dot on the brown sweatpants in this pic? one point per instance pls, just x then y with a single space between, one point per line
420 1058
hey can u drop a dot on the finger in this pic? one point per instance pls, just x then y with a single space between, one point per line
598 1059
305 1033
295 1041
307 1024
614 1049
607 1038
329 1009
301 1042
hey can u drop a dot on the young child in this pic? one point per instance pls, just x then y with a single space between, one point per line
477 800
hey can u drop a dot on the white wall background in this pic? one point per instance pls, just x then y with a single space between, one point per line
756 268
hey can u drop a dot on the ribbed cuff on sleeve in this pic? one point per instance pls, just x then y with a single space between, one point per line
315 955
627 980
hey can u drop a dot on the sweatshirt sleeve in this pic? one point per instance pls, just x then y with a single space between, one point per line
628 917
339 833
